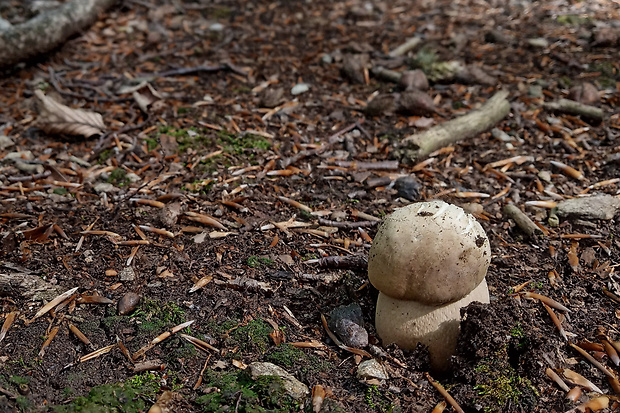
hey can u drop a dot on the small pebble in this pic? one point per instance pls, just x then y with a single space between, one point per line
133 178
371 369
407 187
327 59
347 322
105 187
300 88
545 176
538 42
216 27
5 142
127 274
535 91
128 303
293 387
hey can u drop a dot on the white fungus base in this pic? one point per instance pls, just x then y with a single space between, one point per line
408 323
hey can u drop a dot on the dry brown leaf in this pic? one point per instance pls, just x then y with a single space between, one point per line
573 258
579 380
8 322
205 219
318 396
145 97
201 283
59 299
56 118
593 405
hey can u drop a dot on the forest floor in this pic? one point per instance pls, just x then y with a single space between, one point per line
214 192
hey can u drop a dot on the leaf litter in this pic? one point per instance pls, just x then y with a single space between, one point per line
287 190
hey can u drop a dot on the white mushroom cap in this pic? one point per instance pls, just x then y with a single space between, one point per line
431 252
408 323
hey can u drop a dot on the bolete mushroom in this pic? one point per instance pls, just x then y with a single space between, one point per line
428 260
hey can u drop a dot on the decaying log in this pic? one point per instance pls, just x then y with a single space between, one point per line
48 30
24 285
572 107
473 123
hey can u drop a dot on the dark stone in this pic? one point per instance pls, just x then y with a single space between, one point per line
408 188
346 322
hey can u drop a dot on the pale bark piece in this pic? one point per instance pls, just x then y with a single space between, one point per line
408 323
56 118
386 74
27 286
575 108
48 30
523 221
406 47
473 123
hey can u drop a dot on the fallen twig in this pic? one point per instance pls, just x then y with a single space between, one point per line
348 225
406 47
444 393
523 221
59 299
575 108
356 262
475 122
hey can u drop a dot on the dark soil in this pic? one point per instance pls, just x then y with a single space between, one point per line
191 148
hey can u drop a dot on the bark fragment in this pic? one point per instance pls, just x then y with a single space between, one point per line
48 30
477 121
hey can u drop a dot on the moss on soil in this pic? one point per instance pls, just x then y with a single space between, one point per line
238 144
237 391
118 177
290 357
252 337
155 315
107 398
499 385
254 261
377 401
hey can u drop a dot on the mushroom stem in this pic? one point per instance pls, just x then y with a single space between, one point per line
408 323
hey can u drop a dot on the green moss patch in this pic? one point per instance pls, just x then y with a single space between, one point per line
377 401
237 391
107 398
255 261
238 144
252 337
155 315
287 356
118 177
499 386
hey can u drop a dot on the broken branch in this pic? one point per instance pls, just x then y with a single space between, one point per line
473 123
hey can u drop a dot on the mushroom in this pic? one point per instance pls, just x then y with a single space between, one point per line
428 260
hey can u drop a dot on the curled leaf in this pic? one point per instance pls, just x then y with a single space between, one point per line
56 118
